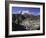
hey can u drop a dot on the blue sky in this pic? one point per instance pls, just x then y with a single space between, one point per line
34 11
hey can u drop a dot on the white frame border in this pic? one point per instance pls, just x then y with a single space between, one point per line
25 32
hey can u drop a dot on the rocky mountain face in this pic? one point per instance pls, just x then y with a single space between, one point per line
29 21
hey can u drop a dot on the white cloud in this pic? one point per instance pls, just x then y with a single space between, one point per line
25 11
